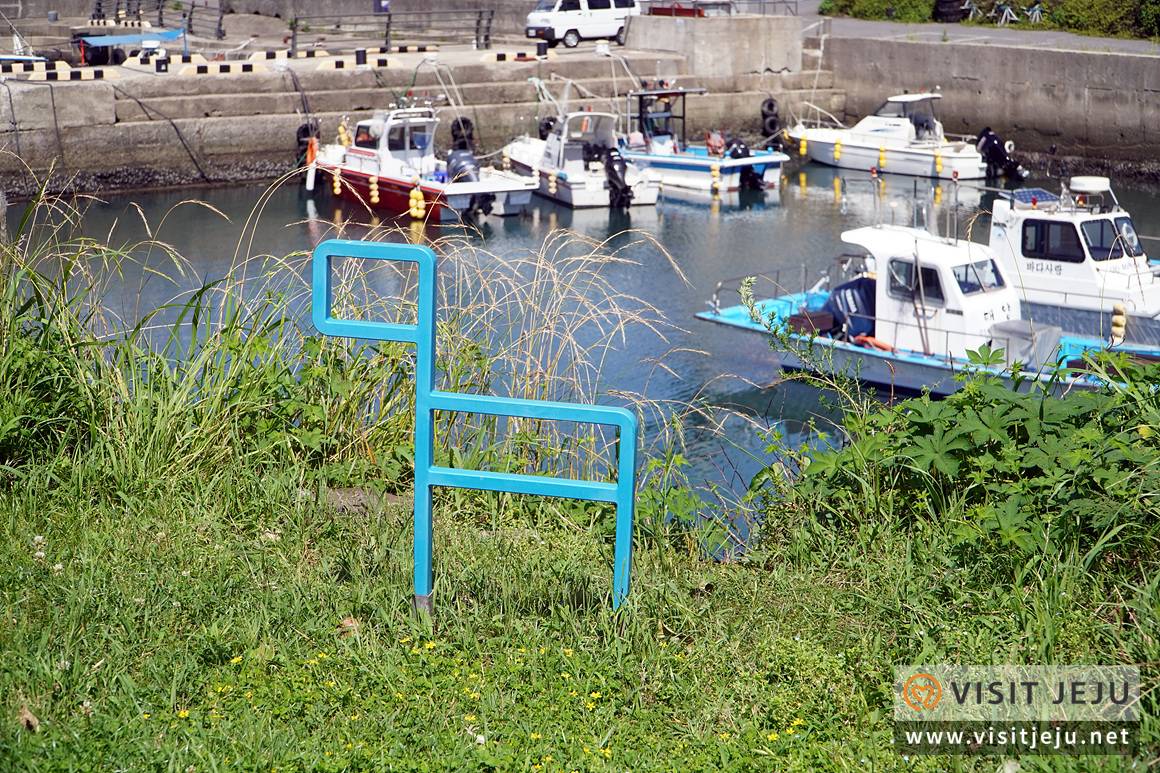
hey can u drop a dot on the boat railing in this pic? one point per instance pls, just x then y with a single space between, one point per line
702 8
818 112
781 281
942 344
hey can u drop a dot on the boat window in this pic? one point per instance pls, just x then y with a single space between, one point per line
570 5
395 139
1109 239
977 277
363 138
625 3
904 282
599 5
1052 241
419 140
891 110
545 5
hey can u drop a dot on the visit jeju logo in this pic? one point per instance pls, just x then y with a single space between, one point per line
922 691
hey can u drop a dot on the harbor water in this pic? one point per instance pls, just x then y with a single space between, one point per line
726 390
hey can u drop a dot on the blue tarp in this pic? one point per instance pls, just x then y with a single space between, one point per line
131 40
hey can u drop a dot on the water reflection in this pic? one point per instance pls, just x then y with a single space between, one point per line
670 257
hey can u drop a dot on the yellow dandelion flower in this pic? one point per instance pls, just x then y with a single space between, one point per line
594 694
543 650
354 716
249 694
472 675
238 659
399 695
330 683
469 717
183 713
771 737
475 695
312 662
723 735
146 716
797 722
591 705
405 641
568 652
573 693
606 753
548 758
664 644
429 645
537 766
521 649
323 655
565 675
536 735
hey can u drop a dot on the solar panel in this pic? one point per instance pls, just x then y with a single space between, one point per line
1041 197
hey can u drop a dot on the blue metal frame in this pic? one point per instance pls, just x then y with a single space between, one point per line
428 400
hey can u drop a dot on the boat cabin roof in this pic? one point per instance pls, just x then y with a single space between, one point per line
885 242
915 97
588 126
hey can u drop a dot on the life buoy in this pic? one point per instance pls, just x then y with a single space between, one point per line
312 150
870 342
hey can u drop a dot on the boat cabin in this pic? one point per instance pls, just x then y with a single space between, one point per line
1078 249
931 295
395 142
578 140
656 120
906 116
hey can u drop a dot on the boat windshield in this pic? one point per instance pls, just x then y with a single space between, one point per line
1110 239
977 277
545 5
891 110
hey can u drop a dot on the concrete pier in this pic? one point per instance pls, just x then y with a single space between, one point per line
139 128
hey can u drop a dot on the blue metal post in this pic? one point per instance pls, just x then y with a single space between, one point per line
428 400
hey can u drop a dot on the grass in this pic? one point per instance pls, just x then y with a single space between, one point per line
208 560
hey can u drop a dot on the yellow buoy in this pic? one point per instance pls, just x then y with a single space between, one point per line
802 147
882 157
838 150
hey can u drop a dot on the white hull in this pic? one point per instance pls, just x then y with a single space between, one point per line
694 171
577 188
847 149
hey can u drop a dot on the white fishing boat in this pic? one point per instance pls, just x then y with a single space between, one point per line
576 159
904 137
388 162
1077 260
656 140
916 304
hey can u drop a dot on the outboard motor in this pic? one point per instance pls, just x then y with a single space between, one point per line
462 134
852 305
998 156
546 125
616 171
750 179
462 167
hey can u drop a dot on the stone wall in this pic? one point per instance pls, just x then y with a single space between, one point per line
509 14
1093 105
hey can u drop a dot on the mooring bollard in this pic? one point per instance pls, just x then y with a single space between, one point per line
428 400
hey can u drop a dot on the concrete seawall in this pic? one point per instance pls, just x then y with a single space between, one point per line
1101 109
148 129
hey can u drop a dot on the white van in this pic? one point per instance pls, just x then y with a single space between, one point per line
572 20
